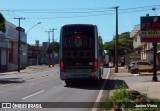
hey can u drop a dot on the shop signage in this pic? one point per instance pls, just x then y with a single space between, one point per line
150 29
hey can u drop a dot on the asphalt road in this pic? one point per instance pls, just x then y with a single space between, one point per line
46 86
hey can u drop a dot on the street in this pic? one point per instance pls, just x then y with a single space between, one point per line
46 86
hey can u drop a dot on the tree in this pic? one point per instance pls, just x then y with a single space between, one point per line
53 46
125 43
2 23
101 45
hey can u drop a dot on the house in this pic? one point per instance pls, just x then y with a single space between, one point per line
142 48
9 48
145 49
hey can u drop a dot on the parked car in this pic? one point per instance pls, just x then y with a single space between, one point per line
138 66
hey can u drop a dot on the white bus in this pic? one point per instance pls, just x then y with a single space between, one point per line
80 57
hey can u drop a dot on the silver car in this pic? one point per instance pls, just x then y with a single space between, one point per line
138 66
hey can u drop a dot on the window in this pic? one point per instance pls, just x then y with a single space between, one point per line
78 41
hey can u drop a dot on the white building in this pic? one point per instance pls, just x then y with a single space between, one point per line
145 49
9 48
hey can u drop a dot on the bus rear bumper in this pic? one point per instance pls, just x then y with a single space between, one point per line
73 76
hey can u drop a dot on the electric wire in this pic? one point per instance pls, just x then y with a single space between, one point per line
73 12
94 13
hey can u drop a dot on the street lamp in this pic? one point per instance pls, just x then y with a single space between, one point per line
154 9
33 26
37 46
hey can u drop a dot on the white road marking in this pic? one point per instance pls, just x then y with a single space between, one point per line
100 92
33 94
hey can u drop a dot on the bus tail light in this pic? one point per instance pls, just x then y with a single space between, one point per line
92 75
61 64
95 64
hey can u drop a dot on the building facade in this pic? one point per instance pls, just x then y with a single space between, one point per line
9 48
145 49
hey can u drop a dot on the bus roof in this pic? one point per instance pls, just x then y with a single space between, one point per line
78 24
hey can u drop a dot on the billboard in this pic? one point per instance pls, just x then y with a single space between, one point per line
150 29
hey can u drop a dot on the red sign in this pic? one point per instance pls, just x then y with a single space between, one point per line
150 29
150 39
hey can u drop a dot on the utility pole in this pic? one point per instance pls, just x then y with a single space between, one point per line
48 36
48 47
154 78
126 58
19 42
116 47
52 30
53 45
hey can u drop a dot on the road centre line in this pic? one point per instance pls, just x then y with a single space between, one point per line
100 92
33 94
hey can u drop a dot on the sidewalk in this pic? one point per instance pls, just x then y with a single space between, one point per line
28 69
142 83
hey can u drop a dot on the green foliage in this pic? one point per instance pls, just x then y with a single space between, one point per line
154 100
101 45
2 23
53 46
124 43
121 97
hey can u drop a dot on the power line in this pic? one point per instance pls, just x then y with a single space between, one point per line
133 8
68 9
59 10
90 13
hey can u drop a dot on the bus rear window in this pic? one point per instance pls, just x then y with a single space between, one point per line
78 37
78 41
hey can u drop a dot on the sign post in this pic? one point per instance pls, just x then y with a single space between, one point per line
150 32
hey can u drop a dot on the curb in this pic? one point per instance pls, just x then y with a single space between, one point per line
11 80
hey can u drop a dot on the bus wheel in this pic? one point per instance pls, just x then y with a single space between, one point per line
68 82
